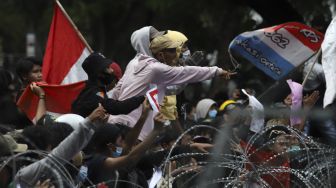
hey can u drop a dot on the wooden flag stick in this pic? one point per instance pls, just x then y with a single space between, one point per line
74 26
311 68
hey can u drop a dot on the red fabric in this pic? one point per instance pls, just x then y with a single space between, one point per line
58 98
275 180
310 37
102 185
152 99
116 70
307 35
63 49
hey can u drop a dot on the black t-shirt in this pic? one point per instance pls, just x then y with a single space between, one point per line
97 173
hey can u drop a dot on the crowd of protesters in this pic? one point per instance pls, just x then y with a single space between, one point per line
113 138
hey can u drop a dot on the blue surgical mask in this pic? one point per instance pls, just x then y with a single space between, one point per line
212 113
117 152
294 148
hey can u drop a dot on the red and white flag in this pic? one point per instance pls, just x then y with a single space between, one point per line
152 96
58 99
62 68
65 52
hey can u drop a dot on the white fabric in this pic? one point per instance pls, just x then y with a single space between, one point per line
329 63
257 116
157 175
77 73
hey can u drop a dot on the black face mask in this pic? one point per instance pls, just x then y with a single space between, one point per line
106 78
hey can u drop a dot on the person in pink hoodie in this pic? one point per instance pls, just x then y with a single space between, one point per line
152 67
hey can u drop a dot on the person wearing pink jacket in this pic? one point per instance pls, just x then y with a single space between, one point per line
151 67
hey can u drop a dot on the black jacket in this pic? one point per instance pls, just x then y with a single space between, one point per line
93 94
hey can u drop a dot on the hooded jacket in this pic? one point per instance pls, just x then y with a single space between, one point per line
95 93
203 107
144 72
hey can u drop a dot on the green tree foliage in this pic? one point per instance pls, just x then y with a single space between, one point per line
108 24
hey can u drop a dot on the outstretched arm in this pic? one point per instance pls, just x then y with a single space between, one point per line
133 134
69 147
139 150
164 74
116 107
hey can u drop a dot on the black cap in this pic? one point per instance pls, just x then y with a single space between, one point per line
95 63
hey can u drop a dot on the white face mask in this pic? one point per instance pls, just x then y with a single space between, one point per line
186 54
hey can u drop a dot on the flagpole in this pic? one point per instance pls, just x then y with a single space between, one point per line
311 68
74 26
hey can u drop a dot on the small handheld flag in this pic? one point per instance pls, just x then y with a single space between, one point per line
153 99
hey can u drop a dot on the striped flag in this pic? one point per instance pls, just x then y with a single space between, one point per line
277 50
65 52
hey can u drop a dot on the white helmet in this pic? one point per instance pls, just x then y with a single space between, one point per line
72 119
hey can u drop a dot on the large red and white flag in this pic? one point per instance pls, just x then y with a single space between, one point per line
62 67
58 99
65 52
